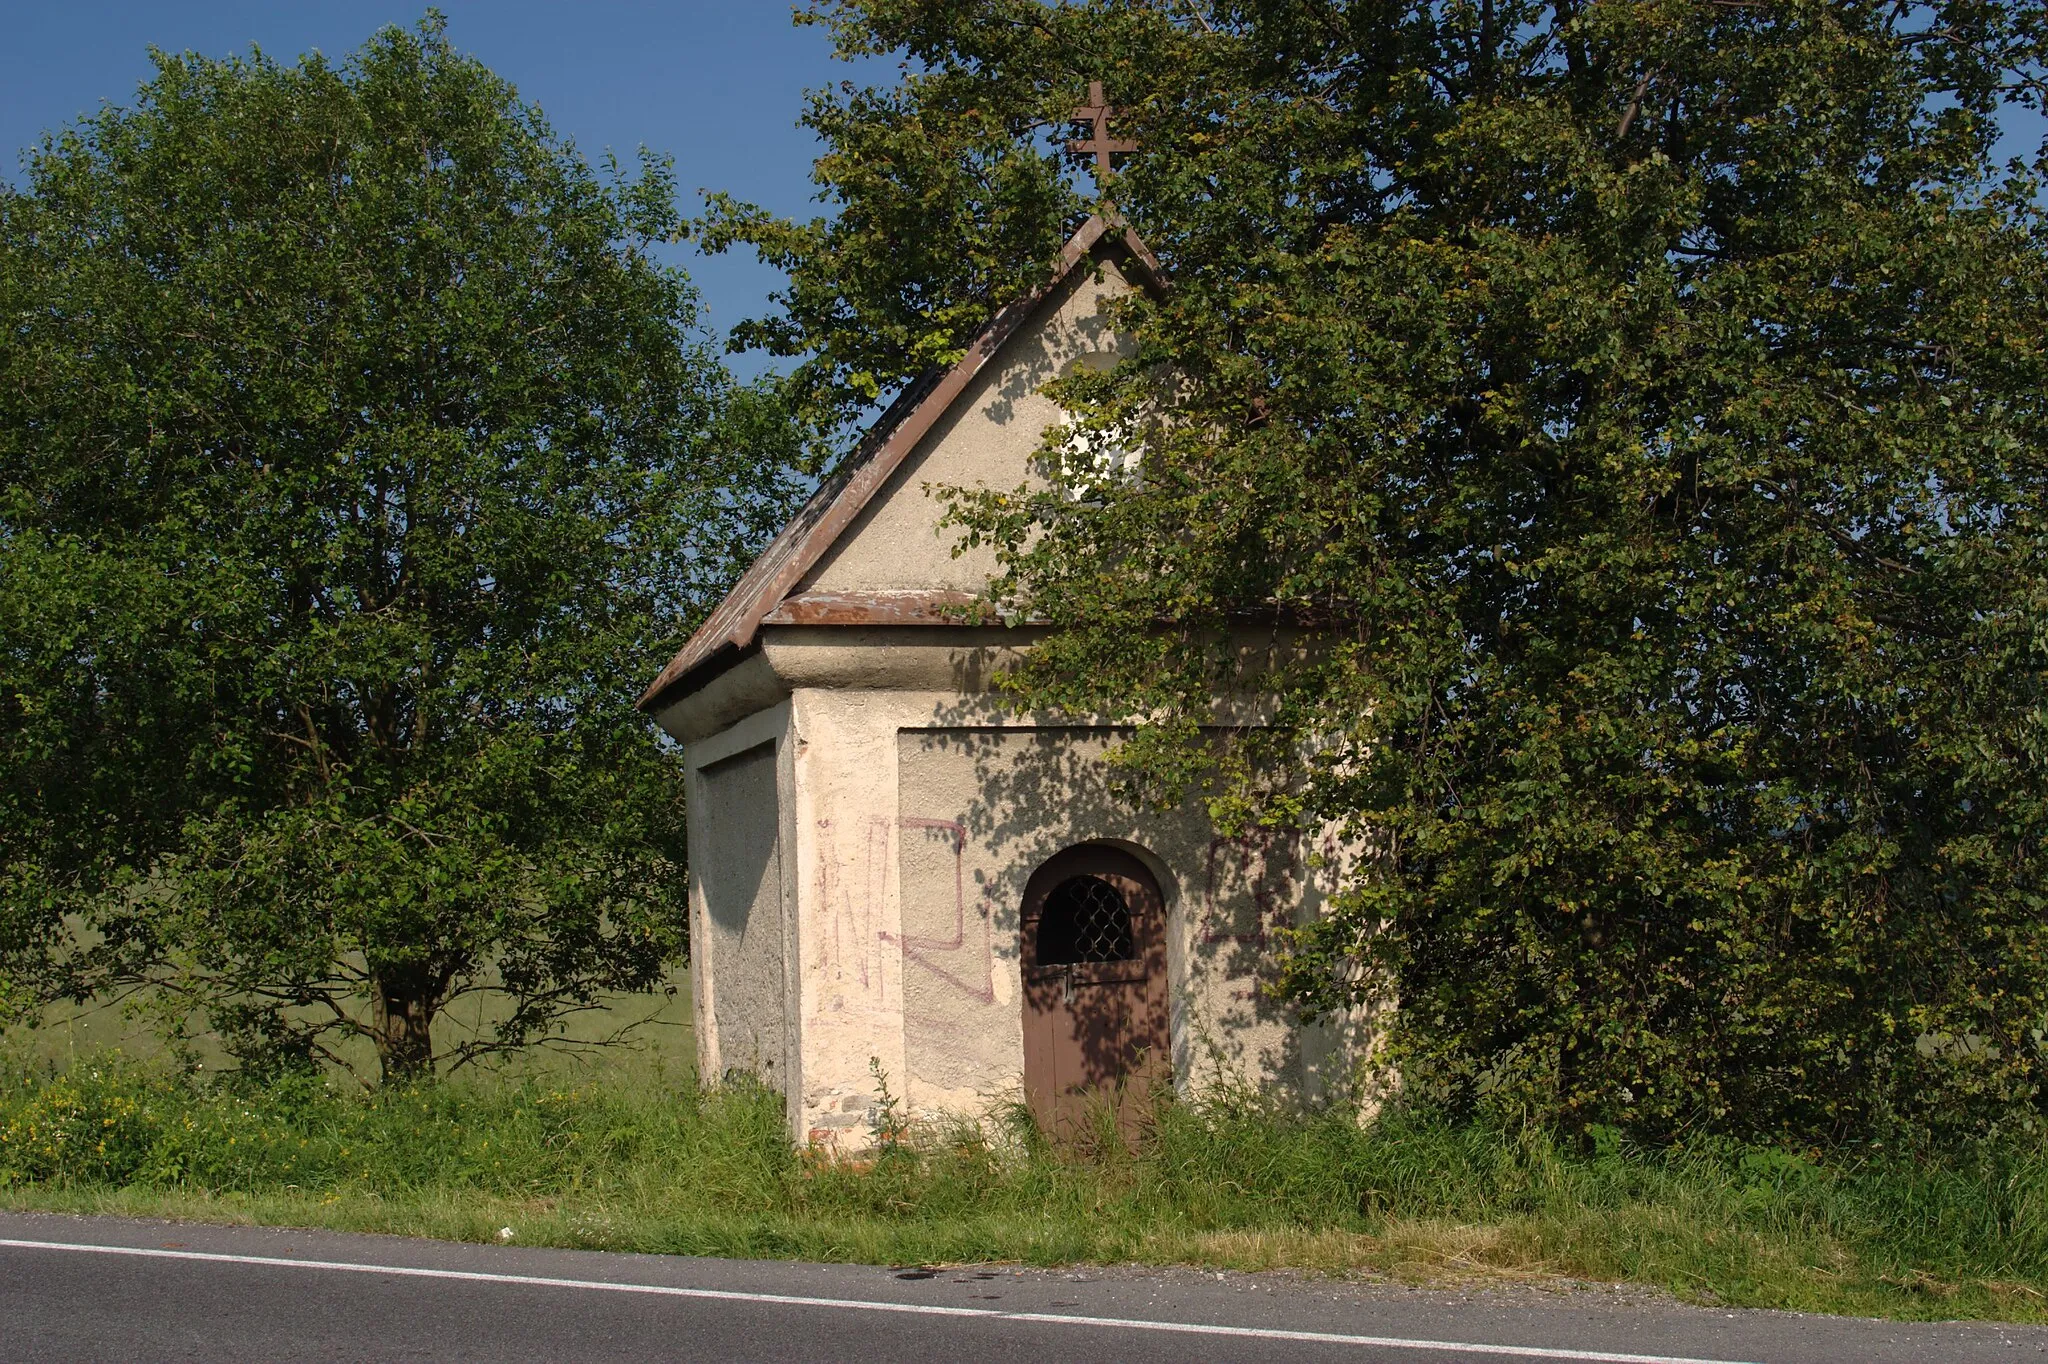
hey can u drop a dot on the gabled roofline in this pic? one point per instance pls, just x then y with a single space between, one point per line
732 625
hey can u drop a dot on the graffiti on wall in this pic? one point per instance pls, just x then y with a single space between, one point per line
1254 884
966 968
846 951
853 880
1249 887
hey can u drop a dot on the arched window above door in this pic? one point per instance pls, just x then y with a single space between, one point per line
1086 919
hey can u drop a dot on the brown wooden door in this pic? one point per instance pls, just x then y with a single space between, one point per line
1094 949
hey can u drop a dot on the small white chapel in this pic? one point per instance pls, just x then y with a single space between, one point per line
888 871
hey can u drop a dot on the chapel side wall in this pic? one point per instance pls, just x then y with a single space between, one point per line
737 787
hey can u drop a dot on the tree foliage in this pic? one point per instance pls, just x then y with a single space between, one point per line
358 457
1628 419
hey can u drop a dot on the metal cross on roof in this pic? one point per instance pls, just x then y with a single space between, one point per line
1096 113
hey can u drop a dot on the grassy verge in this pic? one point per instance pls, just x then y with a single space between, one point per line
657 1165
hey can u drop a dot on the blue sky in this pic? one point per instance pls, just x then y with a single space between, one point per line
717 86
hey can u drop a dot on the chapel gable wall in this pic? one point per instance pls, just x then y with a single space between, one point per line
987 439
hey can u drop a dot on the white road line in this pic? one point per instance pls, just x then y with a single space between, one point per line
862 1305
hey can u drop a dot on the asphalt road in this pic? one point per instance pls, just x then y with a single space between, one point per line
104 1288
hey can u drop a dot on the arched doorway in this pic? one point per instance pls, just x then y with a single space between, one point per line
1094 965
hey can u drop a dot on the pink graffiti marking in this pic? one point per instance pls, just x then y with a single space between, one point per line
850 891
1263 861
920 949
876 864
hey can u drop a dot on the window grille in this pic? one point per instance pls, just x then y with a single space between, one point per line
1085 919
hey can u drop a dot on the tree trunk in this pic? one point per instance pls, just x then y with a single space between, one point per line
403 1019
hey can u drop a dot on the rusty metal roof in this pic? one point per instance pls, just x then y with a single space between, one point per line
730 628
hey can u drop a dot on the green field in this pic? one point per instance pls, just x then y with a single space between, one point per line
650 1029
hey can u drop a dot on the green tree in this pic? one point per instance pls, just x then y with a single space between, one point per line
358 458
1635 413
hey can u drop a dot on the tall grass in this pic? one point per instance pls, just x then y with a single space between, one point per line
660 1165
